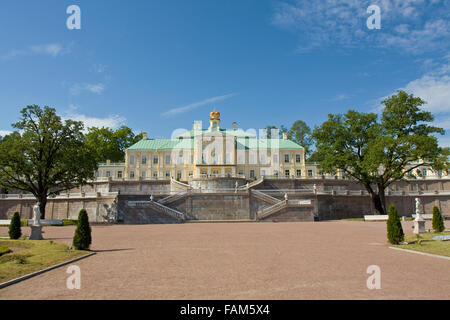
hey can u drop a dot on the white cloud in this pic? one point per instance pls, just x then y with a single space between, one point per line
100 68
194 105
50 49
411 25
340 97
111 121
77 88
4 133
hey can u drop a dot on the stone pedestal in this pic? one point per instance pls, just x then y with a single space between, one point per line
36 233
419 226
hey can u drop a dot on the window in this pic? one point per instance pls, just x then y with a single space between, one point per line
275 158
297 158
143 174
132 159
192 159
203 158
155 174
299 173
191 173
263 159
286 157
252 174
276 173
167 158
252 159
263 172
241 159
286 173
424 172
144 159
167 174
439 173
179 175
108 174
241 173
155 159
310 173
227 158
119 174
131 174
180 158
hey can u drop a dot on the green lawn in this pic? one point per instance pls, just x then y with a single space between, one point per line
29 256
428 245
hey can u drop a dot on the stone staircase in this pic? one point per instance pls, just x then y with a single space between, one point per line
167 211
252 184
264 197
267 211
173 197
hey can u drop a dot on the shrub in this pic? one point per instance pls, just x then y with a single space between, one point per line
82 238
67 222
14 228
4 250
394 226
438 220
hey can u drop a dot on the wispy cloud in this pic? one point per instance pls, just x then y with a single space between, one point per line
111 121
411 25
340 97
4 133
176 111
51 49
77 88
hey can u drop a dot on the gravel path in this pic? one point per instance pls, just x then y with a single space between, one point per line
303 260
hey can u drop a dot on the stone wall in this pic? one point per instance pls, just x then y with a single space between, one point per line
60 208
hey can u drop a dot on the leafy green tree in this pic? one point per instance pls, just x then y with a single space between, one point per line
377 153
45 155
394 226
300 133
111 144
269 131
82 239
14 227
438 220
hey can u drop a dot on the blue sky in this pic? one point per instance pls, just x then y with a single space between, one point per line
156 66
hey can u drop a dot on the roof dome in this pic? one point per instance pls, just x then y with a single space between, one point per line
214 115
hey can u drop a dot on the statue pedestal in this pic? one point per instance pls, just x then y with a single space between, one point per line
36 233
419 226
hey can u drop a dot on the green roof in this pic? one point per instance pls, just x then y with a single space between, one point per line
188 144
163 144
255 143
232 132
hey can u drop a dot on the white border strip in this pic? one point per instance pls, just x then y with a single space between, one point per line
31 275
422 253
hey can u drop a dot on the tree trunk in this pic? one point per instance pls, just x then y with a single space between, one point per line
382 196
378 203
42 202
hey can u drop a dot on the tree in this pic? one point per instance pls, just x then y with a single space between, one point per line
82 238
111 144
300 133
379 152
269 131
14 227
394 226
438 220
45 156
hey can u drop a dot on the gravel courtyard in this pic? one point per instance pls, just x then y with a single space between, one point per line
317 260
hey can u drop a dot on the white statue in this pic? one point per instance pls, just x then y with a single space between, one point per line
418 209
286 196
36 215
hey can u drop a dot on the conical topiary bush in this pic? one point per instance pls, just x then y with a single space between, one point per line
438 220
82 238
395 233
14 227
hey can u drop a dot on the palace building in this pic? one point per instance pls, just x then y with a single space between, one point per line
219 152
211 152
